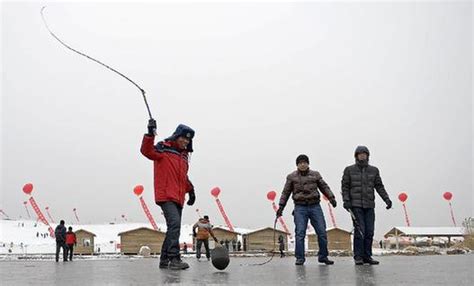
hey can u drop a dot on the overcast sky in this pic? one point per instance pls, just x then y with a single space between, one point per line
260 84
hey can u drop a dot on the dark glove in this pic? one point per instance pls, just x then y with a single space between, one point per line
194 234
151 127
192 198
347 205
333 202
389 204
279 212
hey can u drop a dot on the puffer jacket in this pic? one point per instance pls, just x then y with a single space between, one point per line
358 184
171 180
303 188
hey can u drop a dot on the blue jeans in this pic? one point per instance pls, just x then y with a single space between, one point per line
170 247
315 215
363 244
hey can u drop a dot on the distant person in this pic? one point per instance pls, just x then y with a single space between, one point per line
60 233
234 245
303 186
70 242
185 248
281 244
358 184
204 230
37 234
239 246
227 244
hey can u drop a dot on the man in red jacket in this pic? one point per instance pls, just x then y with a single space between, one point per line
70 242
171 183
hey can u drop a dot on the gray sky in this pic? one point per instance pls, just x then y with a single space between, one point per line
260 84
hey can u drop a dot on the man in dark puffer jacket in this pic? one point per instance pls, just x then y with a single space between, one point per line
303 185
358 184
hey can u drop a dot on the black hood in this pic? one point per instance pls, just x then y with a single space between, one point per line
361 149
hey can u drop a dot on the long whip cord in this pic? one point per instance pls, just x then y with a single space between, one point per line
273 250
95 60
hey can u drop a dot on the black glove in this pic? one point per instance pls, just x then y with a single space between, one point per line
279 212
333 202
192 198
347 205
151 127
389 204
194 234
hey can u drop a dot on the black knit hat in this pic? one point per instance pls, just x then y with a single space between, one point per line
302 158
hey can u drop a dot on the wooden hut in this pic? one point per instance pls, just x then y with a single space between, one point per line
85 242
132 240
338 239
264 239
401 233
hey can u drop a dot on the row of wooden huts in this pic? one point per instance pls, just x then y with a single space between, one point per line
262 239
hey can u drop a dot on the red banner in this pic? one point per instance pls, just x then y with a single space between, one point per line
148 214
407 220
41 217
280 219
224 215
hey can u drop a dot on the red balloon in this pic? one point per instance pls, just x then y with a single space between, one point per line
215 192
448 196
28 188
138 190
271 195
402 197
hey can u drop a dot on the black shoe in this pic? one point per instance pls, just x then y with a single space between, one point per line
358 261
326 261
178 264
371 261
299 262
164 264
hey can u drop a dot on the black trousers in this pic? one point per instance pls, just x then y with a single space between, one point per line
170 248
199 242
59 245
363 244
70 251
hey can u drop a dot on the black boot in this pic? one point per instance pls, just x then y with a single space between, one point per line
164 264
371 261
358 261
299 262
178 264
326 261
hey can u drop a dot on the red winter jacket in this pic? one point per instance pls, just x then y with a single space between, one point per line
70 237
170 170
